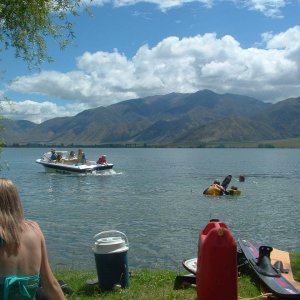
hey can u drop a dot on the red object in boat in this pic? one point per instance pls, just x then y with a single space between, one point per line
216 275
102 160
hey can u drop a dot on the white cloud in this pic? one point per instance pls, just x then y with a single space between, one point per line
284 40
173 65
163 5
37 112
270 72
270 8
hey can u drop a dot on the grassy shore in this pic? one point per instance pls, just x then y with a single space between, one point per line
156 284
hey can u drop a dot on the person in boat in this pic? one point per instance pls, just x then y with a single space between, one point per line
215 189
71 159
81 157
59 158
72 155
24 263
102 160
53 155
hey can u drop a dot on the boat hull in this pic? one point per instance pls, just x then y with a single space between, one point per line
71 169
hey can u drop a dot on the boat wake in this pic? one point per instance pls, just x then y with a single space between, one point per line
109 172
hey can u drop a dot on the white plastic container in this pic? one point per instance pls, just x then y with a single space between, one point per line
110 250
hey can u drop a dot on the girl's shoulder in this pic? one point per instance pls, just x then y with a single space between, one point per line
32 225
31 234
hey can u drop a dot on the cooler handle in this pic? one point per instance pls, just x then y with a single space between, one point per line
112 231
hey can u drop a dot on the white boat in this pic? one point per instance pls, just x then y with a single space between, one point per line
67 165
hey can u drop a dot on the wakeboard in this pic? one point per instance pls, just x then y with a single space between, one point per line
226 181
260 262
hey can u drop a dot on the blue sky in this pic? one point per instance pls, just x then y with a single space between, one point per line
129 49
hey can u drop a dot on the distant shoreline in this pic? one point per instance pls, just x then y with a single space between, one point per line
286 143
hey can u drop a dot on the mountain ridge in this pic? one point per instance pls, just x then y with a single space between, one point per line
172 119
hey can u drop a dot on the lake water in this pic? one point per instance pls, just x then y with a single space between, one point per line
155 197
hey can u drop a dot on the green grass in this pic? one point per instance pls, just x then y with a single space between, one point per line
295 262
157 284
144 285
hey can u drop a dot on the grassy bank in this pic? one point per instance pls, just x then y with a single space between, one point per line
156 284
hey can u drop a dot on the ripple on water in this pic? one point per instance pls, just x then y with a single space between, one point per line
155 197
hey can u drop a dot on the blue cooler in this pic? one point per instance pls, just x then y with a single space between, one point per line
110 250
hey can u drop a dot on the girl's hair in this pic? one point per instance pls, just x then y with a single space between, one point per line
11 213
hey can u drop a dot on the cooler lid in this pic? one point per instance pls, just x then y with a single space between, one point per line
110 245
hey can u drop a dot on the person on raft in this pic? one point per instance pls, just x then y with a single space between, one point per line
215 189
241 178
234 191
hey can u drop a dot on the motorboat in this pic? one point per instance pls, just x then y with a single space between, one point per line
66 163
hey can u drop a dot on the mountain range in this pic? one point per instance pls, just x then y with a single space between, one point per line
189 119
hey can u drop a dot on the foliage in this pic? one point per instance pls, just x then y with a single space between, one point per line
265 146
25 26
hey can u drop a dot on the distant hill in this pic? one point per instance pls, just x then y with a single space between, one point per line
15 130
174 119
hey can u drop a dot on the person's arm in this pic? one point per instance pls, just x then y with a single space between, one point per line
48 281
